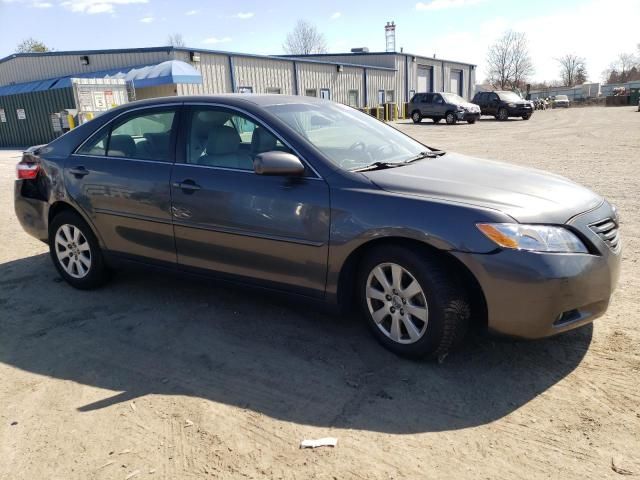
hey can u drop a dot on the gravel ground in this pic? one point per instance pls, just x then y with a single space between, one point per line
164 377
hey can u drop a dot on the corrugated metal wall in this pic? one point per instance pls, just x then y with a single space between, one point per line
262 73
41 67
36 128
380 80
215 72
154 92
317 76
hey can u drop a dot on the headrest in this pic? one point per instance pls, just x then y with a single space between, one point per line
262 141
122 146
223 140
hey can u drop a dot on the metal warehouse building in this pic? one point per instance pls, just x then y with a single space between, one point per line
33 86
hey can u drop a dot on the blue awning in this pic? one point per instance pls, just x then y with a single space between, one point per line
165 73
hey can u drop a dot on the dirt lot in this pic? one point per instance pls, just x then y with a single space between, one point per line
166 377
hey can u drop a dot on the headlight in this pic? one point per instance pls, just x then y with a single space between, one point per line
537 238
512 105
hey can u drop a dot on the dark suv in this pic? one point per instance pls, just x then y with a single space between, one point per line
502 105
437 106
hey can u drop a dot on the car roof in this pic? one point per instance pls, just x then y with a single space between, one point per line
231 98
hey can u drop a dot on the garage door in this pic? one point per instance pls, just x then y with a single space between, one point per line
424 79
456 82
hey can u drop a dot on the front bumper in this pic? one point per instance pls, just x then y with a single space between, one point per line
520 111
535 295
465 116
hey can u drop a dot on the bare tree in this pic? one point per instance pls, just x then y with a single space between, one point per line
31 45
624 69
508 59
176 40
573 70
304 39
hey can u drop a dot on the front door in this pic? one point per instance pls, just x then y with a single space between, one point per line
439 106
121 179
228 219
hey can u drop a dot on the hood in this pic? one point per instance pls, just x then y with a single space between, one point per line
525 194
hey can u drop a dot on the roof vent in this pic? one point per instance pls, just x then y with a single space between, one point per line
360 50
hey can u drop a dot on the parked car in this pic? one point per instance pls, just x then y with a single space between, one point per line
315 198
560 101
502 105
438 106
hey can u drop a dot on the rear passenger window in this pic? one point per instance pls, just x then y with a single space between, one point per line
146 136
96 146
226 139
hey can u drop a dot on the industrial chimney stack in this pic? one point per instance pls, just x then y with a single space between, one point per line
390 36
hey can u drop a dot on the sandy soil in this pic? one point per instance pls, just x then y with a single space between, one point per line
164 377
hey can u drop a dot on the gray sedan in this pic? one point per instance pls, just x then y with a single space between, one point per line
319 200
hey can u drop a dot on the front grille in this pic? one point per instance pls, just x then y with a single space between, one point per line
607 230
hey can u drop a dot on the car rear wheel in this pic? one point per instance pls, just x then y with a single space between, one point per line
503 114
416 117
450 118
412 303
471 120
75 251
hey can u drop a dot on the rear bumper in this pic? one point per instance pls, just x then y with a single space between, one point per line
32 214
534 295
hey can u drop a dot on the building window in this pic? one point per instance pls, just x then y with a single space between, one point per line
325 94
390 96
274 90
380 97
311 92
245 89
352 98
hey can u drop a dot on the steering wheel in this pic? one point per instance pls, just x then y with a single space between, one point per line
359 145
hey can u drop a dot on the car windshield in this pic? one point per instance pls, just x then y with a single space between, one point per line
453 98
509 97
562 97
350 139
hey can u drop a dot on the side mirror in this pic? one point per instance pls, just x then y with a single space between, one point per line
278 163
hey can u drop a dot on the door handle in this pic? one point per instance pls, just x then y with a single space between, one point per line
79 171
188 186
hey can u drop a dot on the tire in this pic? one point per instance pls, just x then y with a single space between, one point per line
471 121
503 114
84 268
416 116
446 306
436 120
526 117
450 118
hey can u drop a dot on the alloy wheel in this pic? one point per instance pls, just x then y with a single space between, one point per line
73 251
397 303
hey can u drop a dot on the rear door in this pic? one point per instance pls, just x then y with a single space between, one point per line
439 106
270 230
121 177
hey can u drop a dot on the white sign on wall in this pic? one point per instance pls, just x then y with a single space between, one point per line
21 114
3 116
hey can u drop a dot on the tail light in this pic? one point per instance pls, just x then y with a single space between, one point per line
27 171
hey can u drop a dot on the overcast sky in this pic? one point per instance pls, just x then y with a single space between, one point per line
452 29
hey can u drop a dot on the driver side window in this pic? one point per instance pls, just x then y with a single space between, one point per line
227 139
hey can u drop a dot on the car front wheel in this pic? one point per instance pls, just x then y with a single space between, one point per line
503 114
413 304
526 117
450 118
416 117
75 251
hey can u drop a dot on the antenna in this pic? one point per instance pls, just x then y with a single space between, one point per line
390 36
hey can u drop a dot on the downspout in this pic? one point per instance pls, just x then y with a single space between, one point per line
296 89
406 78
232 75
442 68
366 89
